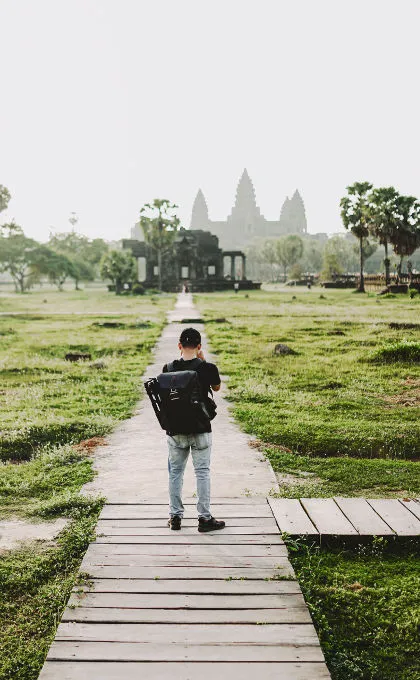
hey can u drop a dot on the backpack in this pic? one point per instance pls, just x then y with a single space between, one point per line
178 400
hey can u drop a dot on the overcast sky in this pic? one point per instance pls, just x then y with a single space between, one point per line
107 104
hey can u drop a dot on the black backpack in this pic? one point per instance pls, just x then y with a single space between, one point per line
178 400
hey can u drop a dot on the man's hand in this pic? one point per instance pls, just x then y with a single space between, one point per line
200 355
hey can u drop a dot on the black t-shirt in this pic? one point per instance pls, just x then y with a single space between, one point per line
208 374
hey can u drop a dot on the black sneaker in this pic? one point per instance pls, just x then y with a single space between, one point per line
175 522
211 524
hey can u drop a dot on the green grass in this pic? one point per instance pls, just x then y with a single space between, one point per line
406 352
45 399
306 476
48 405
330 402
35 583
365 604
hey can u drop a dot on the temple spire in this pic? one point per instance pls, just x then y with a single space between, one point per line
245 192
245 201
200 212
292 216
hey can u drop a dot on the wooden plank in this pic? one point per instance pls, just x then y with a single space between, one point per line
192 572
180 538
189 634
291 517
363 517
164 530
125 524
185 586
104 651
79 670
180 561
397 516
184 601
327 517
413 505
178 616
151 512
236 549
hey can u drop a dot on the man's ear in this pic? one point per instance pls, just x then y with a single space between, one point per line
179 346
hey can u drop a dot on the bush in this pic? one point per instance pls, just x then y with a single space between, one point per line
398 351
413 293
138 289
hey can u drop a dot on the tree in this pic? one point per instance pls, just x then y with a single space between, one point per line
313 255
355 213
18 254
73 219
269 255
119 267
406 235
95 250
77 249
160 226
58 268
4 197
81 270
338 257
289 251
384 218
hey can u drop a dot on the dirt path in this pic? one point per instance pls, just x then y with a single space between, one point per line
133 465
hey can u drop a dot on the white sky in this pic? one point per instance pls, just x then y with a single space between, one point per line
107 104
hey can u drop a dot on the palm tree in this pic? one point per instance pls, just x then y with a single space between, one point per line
160 226
406 235
384 220
355 213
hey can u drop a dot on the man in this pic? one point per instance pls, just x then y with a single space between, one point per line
199 443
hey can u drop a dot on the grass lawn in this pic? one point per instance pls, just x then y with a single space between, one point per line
340 416
48 405
45 399
365 603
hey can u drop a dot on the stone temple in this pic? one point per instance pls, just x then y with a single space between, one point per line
195 261
209 256
245 223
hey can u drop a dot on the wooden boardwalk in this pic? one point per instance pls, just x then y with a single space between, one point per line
347 516
164 604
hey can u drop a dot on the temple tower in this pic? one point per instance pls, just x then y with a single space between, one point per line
293 216
245 223
245 207
200 212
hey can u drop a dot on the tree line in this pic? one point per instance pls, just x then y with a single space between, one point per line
66 256
376 217
382 214
72 256
380 219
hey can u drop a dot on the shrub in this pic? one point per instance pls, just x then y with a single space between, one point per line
398 351
138 289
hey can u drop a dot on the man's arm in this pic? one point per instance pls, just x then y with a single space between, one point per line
214 373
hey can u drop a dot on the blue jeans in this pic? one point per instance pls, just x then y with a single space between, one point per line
179 449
